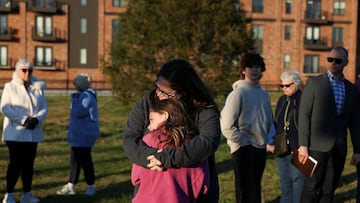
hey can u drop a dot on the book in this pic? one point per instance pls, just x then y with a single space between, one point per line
308 168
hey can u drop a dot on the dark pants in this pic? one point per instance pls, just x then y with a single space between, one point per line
22 156
321 187
81 158
249 165
358 183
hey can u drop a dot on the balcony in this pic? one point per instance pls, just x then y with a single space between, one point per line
8 5
45 6
316 44
56 35
318 18
5 34
52 65
313 71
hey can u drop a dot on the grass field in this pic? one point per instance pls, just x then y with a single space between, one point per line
113 168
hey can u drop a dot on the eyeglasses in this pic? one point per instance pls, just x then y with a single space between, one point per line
27 70
337 61
287 85
163 93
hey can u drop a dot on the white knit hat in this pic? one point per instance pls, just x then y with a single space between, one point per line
82 81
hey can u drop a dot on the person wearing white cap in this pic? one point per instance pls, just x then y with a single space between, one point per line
24 107
82 134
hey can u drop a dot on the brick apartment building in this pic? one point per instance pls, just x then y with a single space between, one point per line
297 34
66 37
61 37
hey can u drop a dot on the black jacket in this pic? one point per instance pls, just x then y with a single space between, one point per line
292 117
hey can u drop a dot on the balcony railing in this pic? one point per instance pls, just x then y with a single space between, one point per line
45 6
316 44
5 34
54 64
8 5
323 17
56 35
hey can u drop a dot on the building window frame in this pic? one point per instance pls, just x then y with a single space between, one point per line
4 55
44 25
288 6
4 26
337 36
311 64
45 3
83 2
339 8
44 56
83 56
257 6
287 32
258 33
118 3
83 25
287 60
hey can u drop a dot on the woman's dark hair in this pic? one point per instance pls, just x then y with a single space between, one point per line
250 60
183 78
179 126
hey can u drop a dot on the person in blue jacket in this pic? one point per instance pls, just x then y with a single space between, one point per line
83 130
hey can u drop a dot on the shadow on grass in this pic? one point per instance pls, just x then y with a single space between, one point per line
112 193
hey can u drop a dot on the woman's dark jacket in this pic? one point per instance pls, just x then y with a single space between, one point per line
293 112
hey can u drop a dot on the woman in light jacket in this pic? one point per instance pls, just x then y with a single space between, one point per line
24 107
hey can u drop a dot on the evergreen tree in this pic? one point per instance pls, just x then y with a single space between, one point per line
211 34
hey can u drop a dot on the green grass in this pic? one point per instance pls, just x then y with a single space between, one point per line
113 168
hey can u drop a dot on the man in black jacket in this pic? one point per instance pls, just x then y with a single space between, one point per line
329 106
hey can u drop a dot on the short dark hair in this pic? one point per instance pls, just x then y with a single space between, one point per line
250 60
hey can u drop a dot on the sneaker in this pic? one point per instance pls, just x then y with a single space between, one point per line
29 198
9 198
90 191
67 189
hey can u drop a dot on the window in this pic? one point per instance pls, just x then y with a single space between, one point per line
83 56
115 26
313 9
118 3
311 64
339 8
3 25
257 6
287 32
83 25
5 3
288 6
258 33
338 36
3 56
45 3
43 26
312 35
286 60
43 56
83 2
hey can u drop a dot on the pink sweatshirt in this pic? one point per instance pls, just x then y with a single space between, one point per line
171 185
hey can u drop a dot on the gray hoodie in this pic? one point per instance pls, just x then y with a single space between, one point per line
247 117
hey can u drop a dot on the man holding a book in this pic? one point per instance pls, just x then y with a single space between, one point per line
329 106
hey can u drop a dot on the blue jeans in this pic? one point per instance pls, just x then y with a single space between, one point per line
291 181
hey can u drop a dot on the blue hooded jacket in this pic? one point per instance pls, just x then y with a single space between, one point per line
84 123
